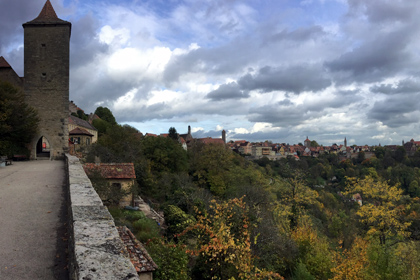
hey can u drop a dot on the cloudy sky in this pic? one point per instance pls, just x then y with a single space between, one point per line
276 70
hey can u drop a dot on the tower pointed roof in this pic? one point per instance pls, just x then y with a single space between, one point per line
47 12
4 63
47 16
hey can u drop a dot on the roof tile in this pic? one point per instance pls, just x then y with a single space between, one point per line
136 251
80 131
47 15
4 63
112 170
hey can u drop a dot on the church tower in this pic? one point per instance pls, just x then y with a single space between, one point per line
345 142
46 86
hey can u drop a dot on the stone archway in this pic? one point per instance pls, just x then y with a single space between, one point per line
43 148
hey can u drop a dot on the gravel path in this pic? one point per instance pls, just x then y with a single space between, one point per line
32 221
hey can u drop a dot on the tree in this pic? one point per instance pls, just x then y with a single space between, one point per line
314 251
171 259
164 155
119 144
314 143
82 115
177 220
379 152
414 189
223 243
294 198
400 154
361 157
18 121
173 134
352 264
382 210
101 126
106 114
211 167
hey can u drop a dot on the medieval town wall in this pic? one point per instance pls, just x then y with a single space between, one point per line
95 247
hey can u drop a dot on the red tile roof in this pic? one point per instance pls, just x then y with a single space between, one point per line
210 140
47 15
47 12
138 254
80 131
4 63
112 170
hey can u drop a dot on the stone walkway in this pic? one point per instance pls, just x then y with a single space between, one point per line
32 220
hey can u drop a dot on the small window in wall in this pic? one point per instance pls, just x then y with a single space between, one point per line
116 186
43 51
87 141
44 75
75 140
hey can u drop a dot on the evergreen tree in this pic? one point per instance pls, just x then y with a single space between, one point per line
106 114
18 121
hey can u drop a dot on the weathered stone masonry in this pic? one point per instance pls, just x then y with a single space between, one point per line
95 247
46 83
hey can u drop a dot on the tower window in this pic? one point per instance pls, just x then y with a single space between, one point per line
43 45
44 75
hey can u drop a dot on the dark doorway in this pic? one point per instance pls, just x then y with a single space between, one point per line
43 148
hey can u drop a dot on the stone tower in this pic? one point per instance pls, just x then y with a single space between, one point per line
224 136
46 86
307 142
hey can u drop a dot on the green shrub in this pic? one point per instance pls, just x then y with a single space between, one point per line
172 260
302 273
145 229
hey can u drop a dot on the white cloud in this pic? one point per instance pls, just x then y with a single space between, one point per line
155 65
114 37
135 64
196 129
241 130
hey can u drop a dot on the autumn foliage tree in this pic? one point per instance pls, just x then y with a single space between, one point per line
294 197
382 210
223 243
352 264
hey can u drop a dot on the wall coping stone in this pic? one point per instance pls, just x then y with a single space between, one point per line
95 247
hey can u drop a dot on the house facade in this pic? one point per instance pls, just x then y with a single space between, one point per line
82 125
120 176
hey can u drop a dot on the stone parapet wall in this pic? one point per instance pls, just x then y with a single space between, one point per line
95 247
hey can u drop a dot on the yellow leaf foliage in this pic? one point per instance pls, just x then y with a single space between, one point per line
221 240
382 209
352 263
